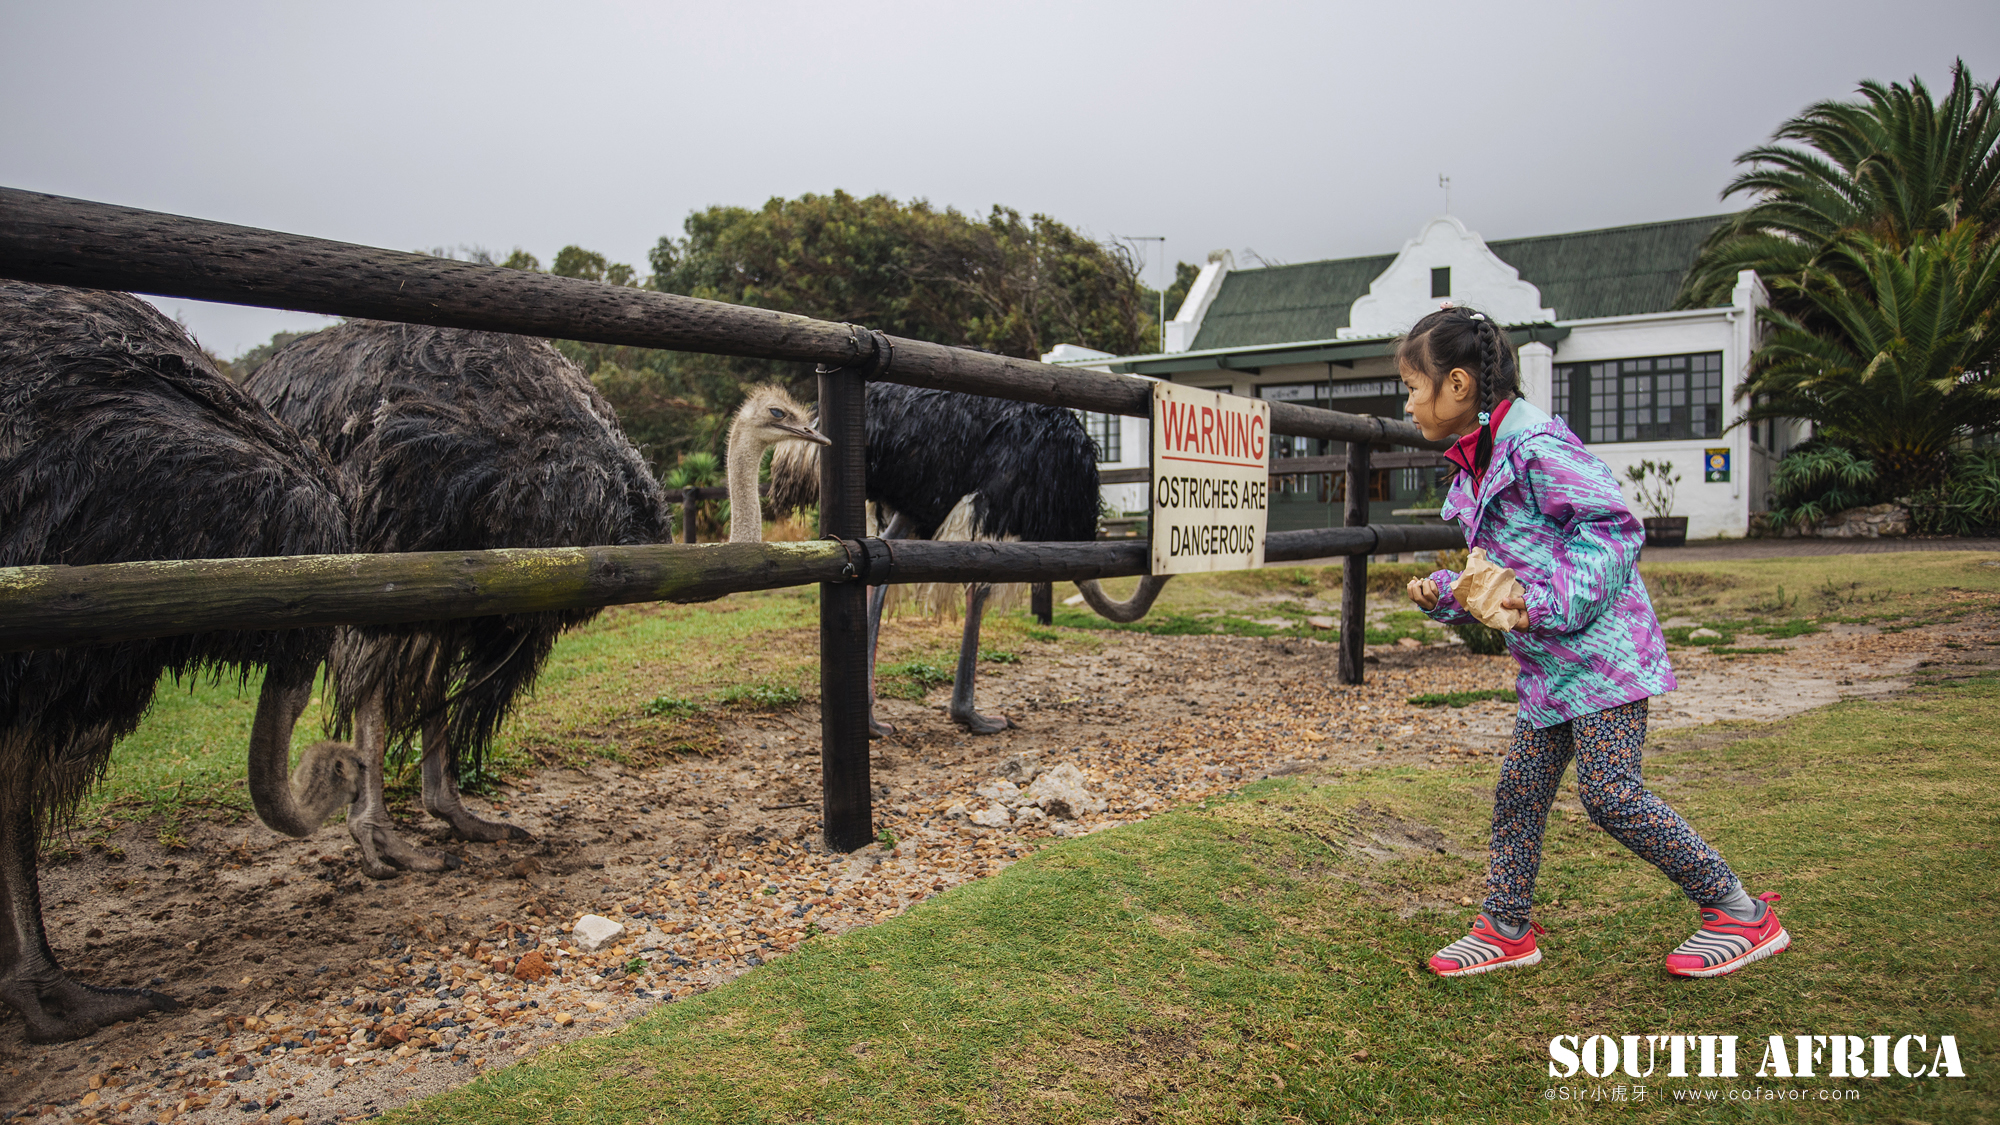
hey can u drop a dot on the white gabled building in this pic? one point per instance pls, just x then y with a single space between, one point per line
1591 314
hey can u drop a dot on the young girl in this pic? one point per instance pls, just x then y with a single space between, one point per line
1589 646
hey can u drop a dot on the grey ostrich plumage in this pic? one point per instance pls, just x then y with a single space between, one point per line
458 440
119 441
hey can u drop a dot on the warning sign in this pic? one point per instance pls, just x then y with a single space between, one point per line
1211 480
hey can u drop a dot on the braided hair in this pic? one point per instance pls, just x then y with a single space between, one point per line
1456 336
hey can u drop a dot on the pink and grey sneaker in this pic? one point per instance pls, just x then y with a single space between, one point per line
1486 949
1725 943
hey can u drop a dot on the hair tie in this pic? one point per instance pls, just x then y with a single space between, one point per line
1485 418
1479 316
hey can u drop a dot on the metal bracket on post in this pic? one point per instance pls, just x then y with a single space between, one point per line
844 697
1354 569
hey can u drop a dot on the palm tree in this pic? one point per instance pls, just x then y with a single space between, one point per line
1893 166
1896 351
702 469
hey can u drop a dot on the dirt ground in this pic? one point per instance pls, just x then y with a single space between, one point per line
311 993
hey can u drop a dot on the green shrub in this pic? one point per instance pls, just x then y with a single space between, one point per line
1818 479
1967 503
1482 639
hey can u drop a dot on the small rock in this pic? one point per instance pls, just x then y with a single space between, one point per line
993 816
956 812
1029 814
1064 792
532 967
1464 901
592 932
526 868
1704 635
1408 642
1021 768
1073 599
1001 790
1322 622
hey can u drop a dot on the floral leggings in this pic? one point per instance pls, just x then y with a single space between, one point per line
1606 747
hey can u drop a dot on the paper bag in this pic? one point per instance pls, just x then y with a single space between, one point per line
1481 587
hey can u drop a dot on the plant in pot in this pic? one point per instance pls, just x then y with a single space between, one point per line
1655 484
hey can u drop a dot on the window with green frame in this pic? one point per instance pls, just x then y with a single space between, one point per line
1658 398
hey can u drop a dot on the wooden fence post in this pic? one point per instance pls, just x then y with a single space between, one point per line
1354 569
843 616
1042 602
687 514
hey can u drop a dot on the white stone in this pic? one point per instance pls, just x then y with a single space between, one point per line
1064 793
1000 790
993 816
1704 635
956 812
1021 768
593 932
1029 814
1074 599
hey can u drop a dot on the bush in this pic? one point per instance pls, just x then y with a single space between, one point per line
1482 639
1967 503
1819 479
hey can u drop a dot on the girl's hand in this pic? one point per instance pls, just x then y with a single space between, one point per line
1520 608
1424 592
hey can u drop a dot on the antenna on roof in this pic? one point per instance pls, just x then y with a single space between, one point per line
1444 182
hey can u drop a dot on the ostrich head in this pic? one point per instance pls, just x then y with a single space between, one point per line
769 416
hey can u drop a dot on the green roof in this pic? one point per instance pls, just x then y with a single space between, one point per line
1617 271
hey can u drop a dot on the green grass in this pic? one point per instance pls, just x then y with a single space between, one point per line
1461 698
1249 962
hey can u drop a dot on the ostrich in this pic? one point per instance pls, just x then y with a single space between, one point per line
948 465
454 440
768 416
119 441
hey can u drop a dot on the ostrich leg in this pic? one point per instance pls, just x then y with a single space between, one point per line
54 1006
383 852
899 528
441 795
968 666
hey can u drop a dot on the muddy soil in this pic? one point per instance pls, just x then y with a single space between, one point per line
311 993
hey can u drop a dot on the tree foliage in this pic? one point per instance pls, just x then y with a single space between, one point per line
1894 166
1895 353
1007 284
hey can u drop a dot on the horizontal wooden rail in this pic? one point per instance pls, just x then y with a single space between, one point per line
62 606
56 240
1293 466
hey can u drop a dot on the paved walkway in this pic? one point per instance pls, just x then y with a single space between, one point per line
1724 550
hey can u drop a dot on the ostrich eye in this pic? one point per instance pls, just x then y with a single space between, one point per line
778 414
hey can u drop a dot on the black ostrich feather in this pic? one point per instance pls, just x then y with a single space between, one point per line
1032 467
120 442
453 440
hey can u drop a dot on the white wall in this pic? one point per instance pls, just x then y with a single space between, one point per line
1712 509
1401 295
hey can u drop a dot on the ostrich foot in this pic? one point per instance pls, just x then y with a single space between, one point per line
57 1009
879 729
442 800
465 826
385 855
983 724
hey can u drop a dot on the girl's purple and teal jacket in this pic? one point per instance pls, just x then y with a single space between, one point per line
1552 511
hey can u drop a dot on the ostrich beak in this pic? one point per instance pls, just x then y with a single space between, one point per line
807 433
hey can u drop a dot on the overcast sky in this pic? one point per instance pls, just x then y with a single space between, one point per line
1300 131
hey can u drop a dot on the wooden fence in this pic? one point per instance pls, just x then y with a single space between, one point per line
56 240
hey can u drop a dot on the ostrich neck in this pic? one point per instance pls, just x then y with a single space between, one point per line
746 509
